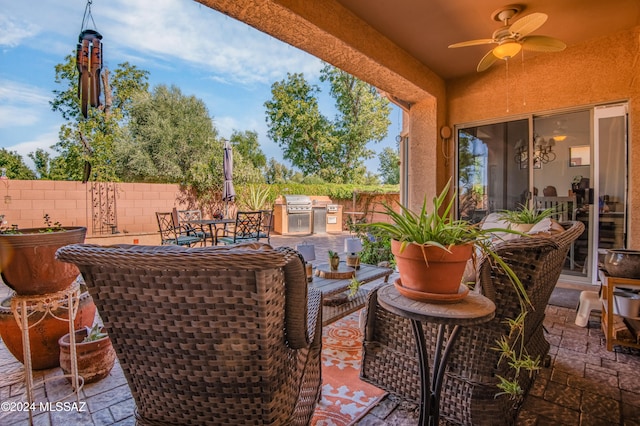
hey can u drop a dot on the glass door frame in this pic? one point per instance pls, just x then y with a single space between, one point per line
603 112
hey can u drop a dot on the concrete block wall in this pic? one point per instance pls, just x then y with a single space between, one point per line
25 202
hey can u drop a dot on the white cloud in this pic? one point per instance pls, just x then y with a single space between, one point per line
12 116
13 31
228 50
226 126
15 92
43 141
21 104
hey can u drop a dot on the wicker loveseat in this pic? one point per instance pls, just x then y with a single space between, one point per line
469 386
209 335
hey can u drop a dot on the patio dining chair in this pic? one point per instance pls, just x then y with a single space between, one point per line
266 225
211 335
171 233
247 228
185 216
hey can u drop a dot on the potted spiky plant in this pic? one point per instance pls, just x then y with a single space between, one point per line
432 249
524 218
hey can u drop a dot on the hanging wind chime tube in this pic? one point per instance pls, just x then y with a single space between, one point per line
89 64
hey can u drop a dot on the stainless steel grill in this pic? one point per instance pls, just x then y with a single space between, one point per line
298 204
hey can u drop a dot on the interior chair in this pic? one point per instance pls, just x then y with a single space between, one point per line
550 191
469 389
247 228
185 216
266 226
209 335
173 234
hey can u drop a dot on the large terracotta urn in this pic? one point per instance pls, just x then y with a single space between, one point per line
28 264
44 335
430 269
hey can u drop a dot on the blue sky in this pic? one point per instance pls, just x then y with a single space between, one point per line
227 64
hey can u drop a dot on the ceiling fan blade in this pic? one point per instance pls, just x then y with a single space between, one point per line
487 61
528 24
472 42
539 43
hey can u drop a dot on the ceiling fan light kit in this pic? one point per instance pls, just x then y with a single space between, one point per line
512 38
507 50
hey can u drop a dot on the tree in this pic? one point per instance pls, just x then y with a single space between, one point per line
14 167
246 143
333 150
42 161
92 140
363 118
389 166
276 172
172 140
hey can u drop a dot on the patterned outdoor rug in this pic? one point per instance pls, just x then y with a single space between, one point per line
345 398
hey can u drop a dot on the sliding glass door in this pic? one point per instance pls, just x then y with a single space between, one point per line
491 177
574 160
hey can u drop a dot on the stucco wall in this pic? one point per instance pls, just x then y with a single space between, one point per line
598 72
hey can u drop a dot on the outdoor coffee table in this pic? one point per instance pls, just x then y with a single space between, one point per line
333 287
474 309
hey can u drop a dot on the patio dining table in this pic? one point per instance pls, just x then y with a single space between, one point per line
213 226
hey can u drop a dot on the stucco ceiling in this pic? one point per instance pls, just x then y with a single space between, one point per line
424 28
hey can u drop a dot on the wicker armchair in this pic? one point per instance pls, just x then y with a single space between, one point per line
469 386
209 335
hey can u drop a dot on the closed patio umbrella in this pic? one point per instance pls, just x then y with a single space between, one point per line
228 192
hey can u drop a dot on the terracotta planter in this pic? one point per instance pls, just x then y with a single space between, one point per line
43 337
28 264
441 273
95 358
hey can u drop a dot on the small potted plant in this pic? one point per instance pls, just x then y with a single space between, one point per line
334 260
94 353
524 218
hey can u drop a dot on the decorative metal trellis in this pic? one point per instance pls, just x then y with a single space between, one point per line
103 208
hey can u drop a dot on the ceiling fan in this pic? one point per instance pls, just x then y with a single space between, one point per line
511 38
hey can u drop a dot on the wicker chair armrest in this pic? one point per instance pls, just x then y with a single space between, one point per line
296 298
314 320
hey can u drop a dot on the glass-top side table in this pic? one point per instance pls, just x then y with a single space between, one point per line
472 310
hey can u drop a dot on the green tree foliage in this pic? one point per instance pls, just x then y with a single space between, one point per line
276 172
389 168
246 144
333 150
92 139
15 167
42 161
172 140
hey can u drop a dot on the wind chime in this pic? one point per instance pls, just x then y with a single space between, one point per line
89 63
